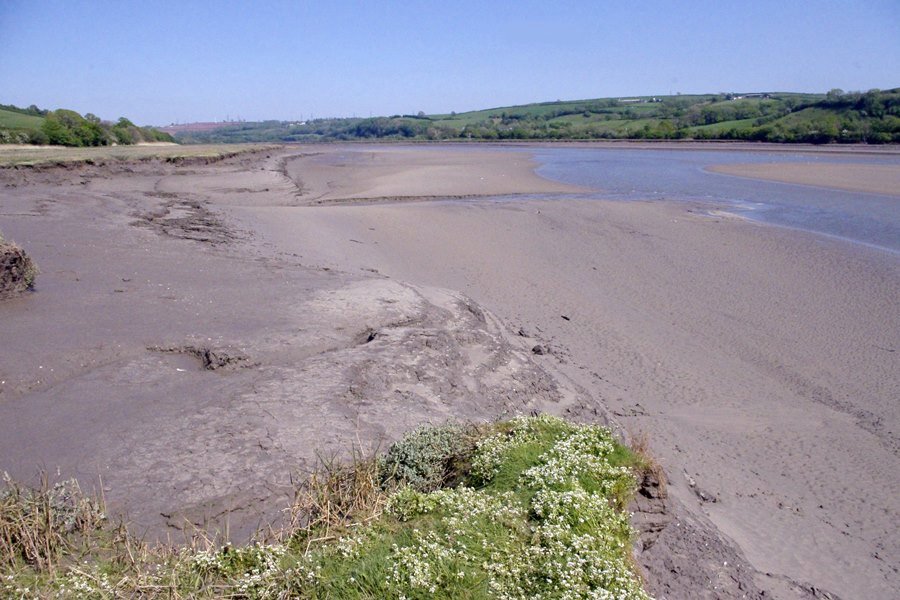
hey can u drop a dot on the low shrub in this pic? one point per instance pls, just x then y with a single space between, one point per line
429 458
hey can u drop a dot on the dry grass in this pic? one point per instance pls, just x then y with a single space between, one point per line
640 446
334 497
11 156
18 271
39 526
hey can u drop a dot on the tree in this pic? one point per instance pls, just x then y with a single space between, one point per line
125 131
57 132
91 134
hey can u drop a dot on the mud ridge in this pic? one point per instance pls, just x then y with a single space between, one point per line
211 359
189 220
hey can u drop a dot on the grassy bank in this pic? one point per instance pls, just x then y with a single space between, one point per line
11 156
528 508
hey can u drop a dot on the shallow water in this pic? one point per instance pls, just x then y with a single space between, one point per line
870 219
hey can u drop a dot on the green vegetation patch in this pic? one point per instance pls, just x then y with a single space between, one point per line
527 508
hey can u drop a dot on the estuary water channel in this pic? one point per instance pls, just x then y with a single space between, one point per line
681 175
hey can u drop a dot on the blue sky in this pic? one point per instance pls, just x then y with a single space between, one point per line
160 62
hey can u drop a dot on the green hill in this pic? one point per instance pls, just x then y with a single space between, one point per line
856 117
20 125
17 120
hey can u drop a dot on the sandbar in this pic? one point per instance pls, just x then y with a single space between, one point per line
873 179
327 176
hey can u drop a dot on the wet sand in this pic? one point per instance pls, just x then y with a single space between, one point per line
355 175
873 179
196 369
761 362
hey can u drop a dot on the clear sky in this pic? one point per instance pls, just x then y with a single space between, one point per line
158 62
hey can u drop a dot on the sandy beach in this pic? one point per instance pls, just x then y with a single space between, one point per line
761 362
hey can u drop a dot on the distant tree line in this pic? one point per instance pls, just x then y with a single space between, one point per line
835 117
32 110
64 127
67 128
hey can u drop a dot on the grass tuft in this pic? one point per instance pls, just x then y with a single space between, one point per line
17 271
645 462
334 498
37 526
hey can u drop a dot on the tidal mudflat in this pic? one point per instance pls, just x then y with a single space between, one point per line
760 361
